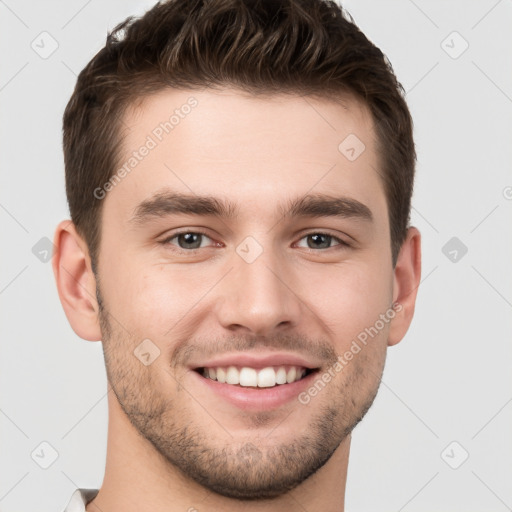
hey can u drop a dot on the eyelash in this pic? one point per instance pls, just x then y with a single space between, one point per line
341 243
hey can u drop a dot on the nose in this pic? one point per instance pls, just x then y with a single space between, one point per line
259 297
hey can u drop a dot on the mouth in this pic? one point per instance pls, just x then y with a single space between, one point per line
250 377
259 380
255 381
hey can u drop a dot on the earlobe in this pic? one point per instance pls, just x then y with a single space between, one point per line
407 275
76 282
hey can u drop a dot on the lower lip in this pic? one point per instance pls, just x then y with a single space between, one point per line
258 398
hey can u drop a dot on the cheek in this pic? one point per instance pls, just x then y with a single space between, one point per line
151 298
352 299
155 297
134 293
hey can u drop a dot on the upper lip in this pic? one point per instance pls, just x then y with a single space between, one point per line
256 360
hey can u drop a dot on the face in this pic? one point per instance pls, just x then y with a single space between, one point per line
243 255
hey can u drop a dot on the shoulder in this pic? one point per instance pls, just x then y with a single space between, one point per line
79 500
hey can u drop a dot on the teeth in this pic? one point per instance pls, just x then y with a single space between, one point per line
267 378
232 375
221 375
292 373
250 377
281 376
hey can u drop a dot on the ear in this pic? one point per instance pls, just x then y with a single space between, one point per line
407 274
76 282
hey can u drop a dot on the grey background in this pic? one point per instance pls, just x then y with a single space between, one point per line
448 380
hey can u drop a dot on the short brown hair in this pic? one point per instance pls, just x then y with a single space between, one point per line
306 47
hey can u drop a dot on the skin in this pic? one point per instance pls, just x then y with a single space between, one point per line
173 444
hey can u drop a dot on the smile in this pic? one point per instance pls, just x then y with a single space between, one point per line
245 376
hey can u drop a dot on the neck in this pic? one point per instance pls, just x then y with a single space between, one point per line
137 477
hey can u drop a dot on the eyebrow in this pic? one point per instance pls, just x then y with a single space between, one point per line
312 205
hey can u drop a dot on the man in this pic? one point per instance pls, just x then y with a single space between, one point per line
239 176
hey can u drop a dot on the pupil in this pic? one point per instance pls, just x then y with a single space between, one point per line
191 238
318 238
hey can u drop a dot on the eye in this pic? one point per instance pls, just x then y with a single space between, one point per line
192 240
187 240
322 241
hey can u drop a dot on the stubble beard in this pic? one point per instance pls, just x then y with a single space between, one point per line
240 469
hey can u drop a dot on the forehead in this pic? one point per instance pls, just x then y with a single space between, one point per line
255 148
